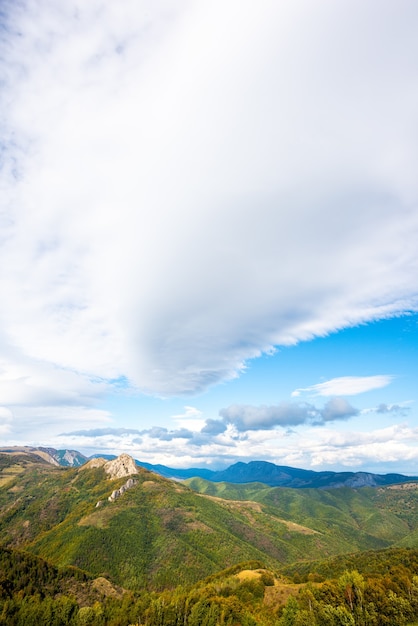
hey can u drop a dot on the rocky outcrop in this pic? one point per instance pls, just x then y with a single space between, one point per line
124 465
117 493
99 462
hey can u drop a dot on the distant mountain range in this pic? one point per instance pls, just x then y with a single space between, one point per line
63 458
282 476
238 473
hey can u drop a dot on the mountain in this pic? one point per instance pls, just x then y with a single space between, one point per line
254 471
140 530
282 476
65 458
178 474
113 543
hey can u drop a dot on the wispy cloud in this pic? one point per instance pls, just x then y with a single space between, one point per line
175 203
101 432
346 386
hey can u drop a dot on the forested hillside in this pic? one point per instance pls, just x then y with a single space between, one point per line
382 592
138 548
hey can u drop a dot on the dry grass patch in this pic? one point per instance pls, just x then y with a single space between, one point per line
279 594
401 487
274 595
250 574
10 473
103 586
297 528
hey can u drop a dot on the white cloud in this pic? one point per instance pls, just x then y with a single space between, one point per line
6 418
186 185
26 382
378 450
42 425
396 444
346 385
246 417
337 409
192 418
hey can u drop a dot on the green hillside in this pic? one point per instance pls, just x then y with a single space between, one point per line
157 553
159 533
355 519
162 533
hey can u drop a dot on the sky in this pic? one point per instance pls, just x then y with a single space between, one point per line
208 231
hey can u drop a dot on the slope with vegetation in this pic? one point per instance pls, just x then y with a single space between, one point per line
156 552
33 592
159 533
359 519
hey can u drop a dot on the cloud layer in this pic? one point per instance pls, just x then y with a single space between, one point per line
390 448
188 185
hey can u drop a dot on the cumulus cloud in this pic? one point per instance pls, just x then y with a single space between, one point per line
395 445
247 417
286 414
163 434
187 185
337 409
347 385
393 409
214 427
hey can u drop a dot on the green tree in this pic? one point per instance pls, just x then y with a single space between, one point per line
352 584
289 612
86 616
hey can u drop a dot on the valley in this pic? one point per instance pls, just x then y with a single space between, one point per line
142 534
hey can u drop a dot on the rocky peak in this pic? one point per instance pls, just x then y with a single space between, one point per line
124 465
98 462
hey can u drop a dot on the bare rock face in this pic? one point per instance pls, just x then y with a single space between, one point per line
124 465
99 462
119 492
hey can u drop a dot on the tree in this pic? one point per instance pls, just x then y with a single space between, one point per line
352 584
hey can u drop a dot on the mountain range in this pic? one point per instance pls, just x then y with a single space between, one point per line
121 521
110 542
282 476
254 471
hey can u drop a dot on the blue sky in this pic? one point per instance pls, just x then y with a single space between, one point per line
208 231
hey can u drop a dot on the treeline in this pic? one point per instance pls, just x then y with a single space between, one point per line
27 573
353 600
368 562
34 592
